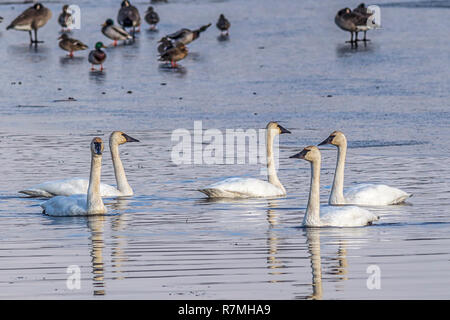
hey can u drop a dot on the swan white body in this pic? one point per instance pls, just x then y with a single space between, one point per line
75 186
329 216
81 205
362 194
251 187
68 187
243 188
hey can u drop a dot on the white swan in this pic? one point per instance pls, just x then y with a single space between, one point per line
81 205
363 194
329 216
72 186
250 187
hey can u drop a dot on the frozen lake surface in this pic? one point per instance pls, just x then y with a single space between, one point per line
285 60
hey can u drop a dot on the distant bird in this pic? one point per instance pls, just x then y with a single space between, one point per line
186 36
33 18
352 22
128 16
223 24
70 44
158 1
174 54
152 18
165 44
97 56
65 18
364 11
1 19
114 32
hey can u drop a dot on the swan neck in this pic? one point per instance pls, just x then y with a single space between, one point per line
119 171
312 215
271 170
337 191
94 200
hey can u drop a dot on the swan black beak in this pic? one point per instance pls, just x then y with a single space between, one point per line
326 141
129 139
300 155
98 148
283 130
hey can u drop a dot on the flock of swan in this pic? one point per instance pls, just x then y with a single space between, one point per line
80 197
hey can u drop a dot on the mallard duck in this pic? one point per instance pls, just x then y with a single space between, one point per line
352 22
70 44
165 44
114 32
65 18
152 18
97 56
186 36
128 16
223 24
174 54
33 18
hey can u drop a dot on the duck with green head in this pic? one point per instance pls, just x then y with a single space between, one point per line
97 56
114 32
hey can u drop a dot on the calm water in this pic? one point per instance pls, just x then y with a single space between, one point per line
286 61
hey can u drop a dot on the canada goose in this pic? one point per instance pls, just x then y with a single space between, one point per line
33 18
128 16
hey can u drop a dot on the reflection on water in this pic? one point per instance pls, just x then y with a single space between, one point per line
347 49
274 264
76 60
167 68
96 227
313 241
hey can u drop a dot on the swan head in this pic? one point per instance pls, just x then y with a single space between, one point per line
276 128
118 137
336 138
310 154
97 147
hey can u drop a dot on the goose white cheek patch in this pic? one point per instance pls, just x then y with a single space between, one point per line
375 20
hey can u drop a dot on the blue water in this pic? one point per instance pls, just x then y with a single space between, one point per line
285 61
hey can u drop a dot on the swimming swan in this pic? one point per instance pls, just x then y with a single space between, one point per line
363 194
329 216
250 187
81 205
72 186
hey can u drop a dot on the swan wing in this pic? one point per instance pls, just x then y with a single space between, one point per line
68 187
75 205
346 216
242 188
375 195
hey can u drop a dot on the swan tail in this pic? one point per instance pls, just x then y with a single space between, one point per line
217 193
402 199
37 193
